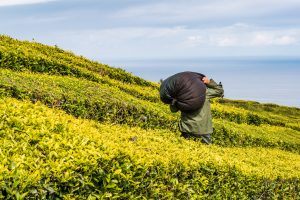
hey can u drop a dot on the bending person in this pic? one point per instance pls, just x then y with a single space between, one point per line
195 123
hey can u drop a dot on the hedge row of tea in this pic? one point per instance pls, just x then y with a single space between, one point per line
241 115
42 58
85 99
242 135
91 100
35 57
270 113
131 149
47 154
24 55
263 107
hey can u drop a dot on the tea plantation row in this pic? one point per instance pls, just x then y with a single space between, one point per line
23 55
35 57
71 128
101 102
47 154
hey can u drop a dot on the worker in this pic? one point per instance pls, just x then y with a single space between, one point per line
190 93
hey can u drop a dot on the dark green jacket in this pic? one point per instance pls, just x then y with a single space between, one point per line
200 121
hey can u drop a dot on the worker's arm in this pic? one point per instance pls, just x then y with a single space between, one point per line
213 89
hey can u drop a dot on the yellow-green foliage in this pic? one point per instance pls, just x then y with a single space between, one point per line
86 99
124 143
103 102
232 134
263 107
46 153
24 56
253 117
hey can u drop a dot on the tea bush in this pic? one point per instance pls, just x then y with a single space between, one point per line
37 57
31 56
47 154
86 99
124 143
272 113
102 102
240 115
234 135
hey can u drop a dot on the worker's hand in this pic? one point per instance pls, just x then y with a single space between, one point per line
205 80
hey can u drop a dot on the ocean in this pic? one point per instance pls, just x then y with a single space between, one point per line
265 80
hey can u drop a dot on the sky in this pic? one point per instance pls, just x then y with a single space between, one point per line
144 29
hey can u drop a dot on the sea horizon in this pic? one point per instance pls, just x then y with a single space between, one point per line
262 79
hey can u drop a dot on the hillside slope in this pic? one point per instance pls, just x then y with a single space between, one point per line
74 128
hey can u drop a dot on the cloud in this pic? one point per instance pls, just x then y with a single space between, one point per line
140 42
179 11
21 2
158 28
266 38
243 35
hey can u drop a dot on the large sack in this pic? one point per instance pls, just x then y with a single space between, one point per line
185 90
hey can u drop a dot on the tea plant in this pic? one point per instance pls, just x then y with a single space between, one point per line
87 99
72 128
47 154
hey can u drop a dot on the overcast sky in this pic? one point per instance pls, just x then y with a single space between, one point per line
139 29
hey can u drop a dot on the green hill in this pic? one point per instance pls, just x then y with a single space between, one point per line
72 128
